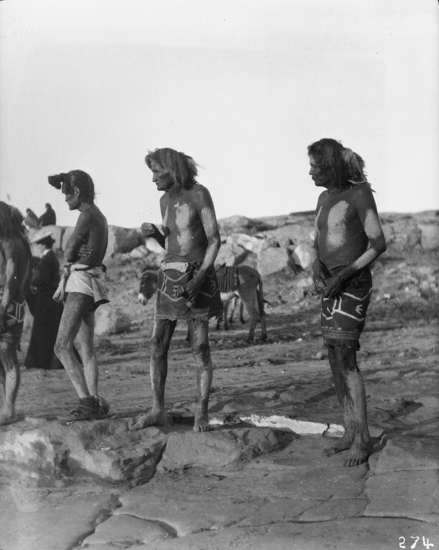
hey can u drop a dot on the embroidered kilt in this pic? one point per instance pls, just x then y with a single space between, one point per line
344 317
170 305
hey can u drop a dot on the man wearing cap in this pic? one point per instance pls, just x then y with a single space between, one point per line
46 311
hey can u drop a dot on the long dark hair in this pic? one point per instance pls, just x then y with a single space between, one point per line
181 167
12 226
328 154
75 178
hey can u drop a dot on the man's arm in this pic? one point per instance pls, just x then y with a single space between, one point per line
78 237
320 273
206 210
11 278
368 214
151 231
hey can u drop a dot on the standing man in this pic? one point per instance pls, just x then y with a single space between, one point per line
15 261
49 216
187 286
348 239
83 289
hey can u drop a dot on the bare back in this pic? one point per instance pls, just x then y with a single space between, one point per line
15 265
91 229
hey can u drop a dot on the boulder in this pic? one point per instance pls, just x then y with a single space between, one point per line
271 260
111 320
241 224
430 235
217 449
104 448
121 240
247 242
139 252
230 254
303 255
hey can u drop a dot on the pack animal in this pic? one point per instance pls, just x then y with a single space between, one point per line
242 282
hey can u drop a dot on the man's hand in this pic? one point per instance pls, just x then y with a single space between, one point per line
85 250
193 287
149 230
320 275
334 286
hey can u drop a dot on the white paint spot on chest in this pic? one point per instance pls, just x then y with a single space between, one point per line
337 225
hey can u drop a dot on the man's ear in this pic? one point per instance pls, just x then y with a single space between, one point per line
76 191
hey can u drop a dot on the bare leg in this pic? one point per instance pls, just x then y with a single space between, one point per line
160 342
9 382
201 351
76 307
84 341
352 397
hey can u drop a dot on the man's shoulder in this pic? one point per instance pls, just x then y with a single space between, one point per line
362 194
199 193
93 215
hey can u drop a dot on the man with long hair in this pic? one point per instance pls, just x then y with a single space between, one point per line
348 239
15 261
187 286
82 288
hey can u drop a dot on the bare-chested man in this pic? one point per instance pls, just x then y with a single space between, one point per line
15 261
348 239
82 287
187 287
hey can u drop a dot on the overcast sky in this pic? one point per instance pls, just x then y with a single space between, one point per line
243 86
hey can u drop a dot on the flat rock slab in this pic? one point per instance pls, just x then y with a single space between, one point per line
127 531
38 519
352 534
272 489
409 453
405 494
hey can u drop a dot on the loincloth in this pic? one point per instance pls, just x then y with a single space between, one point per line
171 306
13 321
85 280
344 317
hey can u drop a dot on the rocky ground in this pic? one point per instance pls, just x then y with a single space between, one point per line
259 481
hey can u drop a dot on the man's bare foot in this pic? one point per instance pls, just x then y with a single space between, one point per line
345 443
148 419
202 423
360 452
8 418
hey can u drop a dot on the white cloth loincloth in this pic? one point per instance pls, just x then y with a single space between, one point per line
85 280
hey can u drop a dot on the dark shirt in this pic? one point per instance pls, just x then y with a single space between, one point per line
46 273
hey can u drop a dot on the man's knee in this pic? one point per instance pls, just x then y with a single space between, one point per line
343 352
157 346
62 346
201 350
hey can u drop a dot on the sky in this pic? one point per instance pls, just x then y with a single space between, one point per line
243 86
